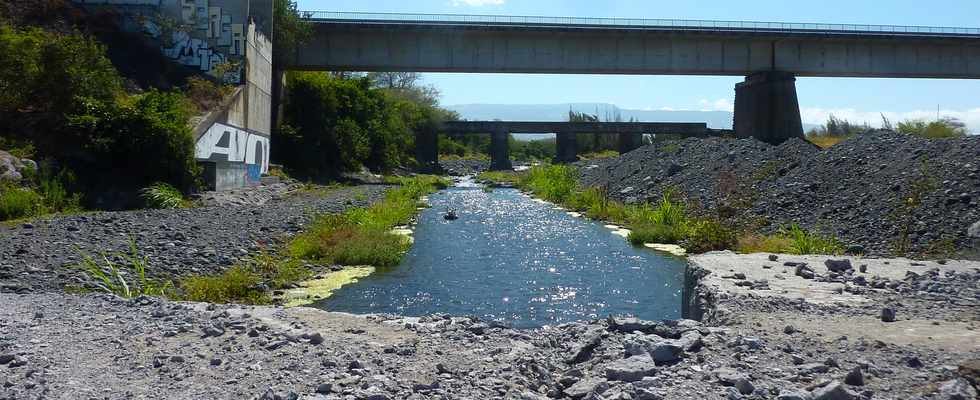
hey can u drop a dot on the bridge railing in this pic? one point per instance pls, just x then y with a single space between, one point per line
354 17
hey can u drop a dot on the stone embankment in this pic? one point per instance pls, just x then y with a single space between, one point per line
880 192
846 329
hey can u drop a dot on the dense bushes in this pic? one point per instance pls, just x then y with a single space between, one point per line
337 124
939 129
41 192
62 100
42 71
147 137
837 130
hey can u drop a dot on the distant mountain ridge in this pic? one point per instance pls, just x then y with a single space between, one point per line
559 112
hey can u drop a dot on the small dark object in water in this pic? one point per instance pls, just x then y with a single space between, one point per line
450 215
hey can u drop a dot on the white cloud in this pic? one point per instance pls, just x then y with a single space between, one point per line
716 105
817 115
476 3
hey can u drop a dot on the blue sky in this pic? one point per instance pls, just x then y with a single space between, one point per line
857 99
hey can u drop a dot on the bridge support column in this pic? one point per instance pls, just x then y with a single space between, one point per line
766 107
566 149
499 151
629 142
427 151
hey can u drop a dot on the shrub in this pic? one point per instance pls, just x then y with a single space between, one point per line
112 277
45 194
657 233
597 205
18 202
205 94
947 127
247 282
52 188
151 135
45 71
709 235
554 183
238 284
162 196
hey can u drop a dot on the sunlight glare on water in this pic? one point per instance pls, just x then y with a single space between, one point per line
522 262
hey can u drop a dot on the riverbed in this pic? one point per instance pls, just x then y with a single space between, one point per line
523 262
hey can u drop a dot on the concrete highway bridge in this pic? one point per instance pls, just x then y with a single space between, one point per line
770 55
630 136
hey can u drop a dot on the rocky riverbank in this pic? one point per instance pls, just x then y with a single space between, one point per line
882 191
40 255
463 167
791 338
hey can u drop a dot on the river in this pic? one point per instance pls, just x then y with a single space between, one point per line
519 261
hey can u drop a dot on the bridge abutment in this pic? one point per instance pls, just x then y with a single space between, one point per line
566 149
629 142
766 107
499 151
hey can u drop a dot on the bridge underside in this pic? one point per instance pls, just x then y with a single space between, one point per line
769 55
630 136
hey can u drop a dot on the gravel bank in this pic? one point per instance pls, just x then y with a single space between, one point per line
464 167
751 346
38 256
855 189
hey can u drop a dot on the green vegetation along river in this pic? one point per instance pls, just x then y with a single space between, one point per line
519 261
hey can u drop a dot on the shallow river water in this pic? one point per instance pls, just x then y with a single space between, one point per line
513 259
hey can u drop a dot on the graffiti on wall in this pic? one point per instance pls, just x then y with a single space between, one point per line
225 143
196 33
212 42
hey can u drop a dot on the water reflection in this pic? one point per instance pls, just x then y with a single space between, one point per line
523 262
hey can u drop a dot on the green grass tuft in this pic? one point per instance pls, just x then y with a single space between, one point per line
803 242
361 235
238 284
162 196
127 280
18 202
657 233
554 183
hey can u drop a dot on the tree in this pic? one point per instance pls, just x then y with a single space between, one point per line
395 80
290 29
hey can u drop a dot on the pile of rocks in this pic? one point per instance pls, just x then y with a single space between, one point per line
12 168
177 350
464 167
858 190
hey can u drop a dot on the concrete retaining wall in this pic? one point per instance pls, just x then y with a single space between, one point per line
227 40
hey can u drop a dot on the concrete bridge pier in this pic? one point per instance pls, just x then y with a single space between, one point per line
566 149
628 142
499 150
427 150
766 107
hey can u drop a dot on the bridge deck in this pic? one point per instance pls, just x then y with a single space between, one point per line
640 23
611 128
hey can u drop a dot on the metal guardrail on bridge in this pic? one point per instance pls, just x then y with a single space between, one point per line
682 24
